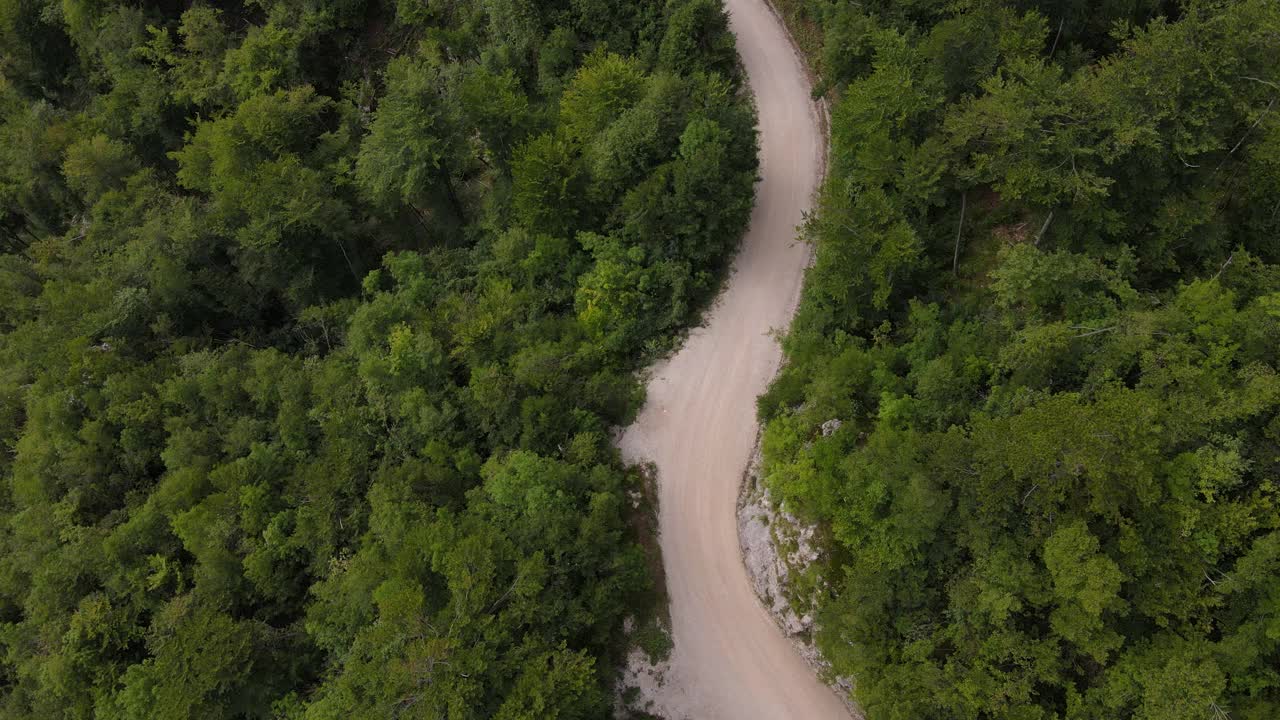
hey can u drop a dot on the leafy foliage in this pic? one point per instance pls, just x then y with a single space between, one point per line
311 344
1045 309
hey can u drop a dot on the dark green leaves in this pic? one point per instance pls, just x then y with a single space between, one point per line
1042 286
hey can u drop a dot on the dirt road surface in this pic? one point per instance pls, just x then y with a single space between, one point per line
730 661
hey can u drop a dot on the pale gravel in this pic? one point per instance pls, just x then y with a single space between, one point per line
730 661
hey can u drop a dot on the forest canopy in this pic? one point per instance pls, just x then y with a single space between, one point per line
314 321
1031 394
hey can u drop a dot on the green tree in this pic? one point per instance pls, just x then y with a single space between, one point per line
411 149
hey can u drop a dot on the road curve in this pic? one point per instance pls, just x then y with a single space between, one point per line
730 661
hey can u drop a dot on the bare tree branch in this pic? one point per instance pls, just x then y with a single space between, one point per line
1230 257
1056 37
1255 124
1043 229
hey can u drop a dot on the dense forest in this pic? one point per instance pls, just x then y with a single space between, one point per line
314 321
1032 392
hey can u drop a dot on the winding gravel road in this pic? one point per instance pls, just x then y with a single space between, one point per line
730 661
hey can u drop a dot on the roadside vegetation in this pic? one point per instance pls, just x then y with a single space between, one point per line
1046 309
314 321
